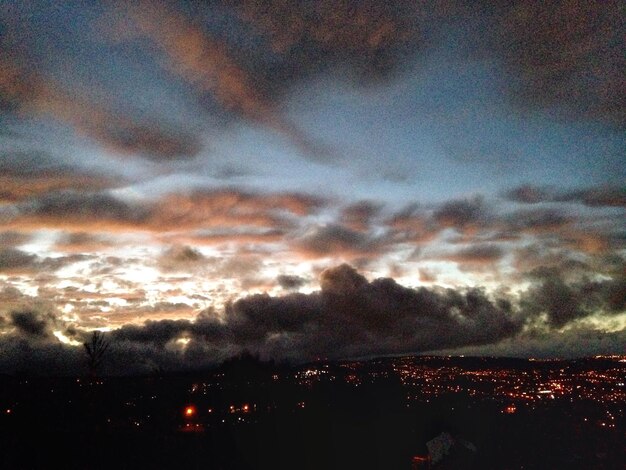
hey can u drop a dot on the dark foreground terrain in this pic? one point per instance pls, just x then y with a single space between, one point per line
392 413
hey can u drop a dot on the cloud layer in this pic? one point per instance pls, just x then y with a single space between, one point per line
348 317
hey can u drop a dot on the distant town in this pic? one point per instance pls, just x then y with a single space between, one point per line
396 412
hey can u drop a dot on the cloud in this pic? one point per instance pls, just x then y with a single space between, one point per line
568 55
563 302
32 324
285 43
529 194
369 38
335 240
13 239
29 174
181 258
291 282
460 213
348 316
29 94
427 275
217 216
580 341
599 196
208 65
225 208
602 196
12 260
537 220
76 209
476 254
83 242
359 216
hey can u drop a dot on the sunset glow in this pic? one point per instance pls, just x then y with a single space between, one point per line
315 180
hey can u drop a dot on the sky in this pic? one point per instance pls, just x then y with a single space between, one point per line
307 179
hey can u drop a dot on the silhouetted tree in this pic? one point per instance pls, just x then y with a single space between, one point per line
95 348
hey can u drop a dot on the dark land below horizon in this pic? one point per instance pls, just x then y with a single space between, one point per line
405 412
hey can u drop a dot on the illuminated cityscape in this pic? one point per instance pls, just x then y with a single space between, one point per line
424 411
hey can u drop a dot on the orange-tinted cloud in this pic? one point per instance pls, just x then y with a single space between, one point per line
207 64
226 209
33 95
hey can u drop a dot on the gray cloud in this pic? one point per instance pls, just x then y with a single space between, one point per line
461 213
32 323
563 302
291 282
479 253
537 220
337 240
12 259
181 257
599 196
73 208
11 239
360 215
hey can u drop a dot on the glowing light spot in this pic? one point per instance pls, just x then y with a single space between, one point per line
65 340
183 341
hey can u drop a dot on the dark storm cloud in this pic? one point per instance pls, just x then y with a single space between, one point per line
22 356
33 324
349 316
158 333
575 342
600 196
563 302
